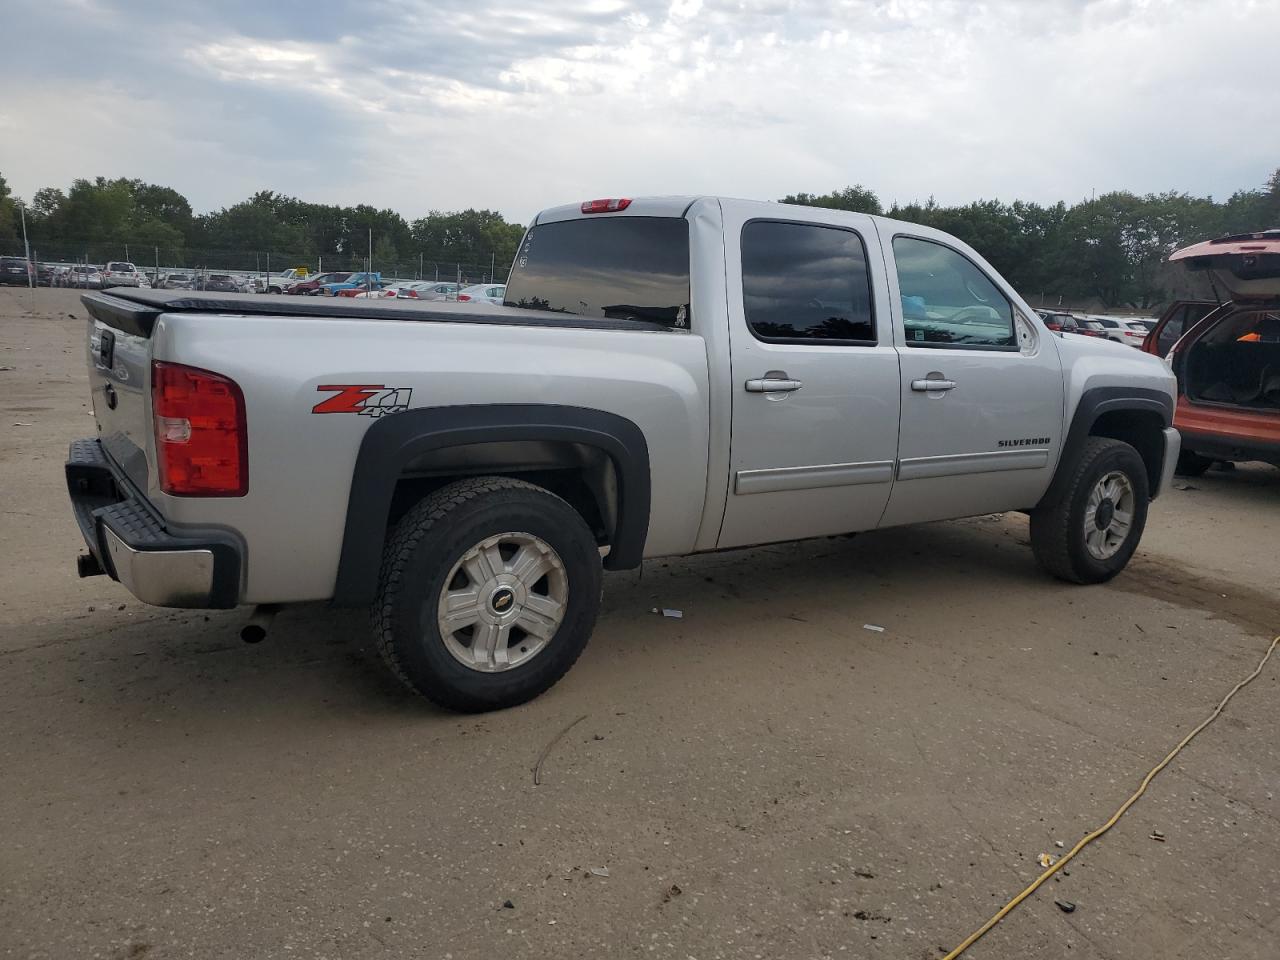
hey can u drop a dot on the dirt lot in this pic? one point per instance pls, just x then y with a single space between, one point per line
764 778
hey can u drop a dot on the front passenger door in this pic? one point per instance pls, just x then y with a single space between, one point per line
982 391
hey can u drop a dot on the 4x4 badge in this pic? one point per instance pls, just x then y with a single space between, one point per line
366 399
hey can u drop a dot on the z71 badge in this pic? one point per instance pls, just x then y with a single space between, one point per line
366 399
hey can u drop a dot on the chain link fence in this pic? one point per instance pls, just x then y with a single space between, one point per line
485 267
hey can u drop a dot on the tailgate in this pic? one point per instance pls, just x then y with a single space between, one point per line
119 342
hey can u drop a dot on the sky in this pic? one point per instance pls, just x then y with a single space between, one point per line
418 105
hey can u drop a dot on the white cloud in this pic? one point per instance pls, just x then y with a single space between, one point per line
521 107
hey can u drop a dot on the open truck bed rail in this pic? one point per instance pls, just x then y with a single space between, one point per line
136 311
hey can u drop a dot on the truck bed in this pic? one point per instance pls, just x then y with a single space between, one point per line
135 311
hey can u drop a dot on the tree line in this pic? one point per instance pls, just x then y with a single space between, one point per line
96 219
1110 250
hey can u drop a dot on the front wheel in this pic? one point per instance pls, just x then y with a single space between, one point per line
488 593
1089 532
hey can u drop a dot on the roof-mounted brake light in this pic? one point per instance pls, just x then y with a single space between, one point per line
605 206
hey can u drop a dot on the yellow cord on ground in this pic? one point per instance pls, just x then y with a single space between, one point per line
1089 838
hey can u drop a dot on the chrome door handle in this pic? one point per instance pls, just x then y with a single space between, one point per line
929 386
773 385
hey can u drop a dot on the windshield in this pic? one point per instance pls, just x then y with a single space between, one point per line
617 268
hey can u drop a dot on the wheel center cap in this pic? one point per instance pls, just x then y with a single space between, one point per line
502 601
1106 513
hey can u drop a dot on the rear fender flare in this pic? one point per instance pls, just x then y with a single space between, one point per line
394 441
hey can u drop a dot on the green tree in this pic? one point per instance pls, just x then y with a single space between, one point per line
855 199
8 213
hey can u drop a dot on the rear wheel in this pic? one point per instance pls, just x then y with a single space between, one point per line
1192 464
488 593
1088 534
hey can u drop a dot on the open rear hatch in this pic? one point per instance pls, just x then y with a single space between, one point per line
1245 266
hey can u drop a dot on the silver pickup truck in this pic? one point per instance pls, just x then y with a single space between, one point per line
667 376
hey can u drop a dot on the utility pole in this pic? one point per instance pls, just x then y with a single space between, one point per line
493 276
157 252
26 247
419 264
368 274
126 251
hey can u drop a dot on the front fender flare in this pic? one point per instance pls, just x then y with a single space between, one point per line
1094 402
394 441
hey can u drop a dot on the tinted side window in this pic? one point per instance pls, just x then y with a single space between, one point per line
947 300
803 282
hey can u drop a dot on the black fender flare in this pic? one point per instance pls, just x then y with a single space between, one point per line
1094 402
396 440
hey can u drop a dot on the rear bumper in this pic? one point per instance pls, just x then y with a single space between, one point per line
1229 433
129 542
1218 446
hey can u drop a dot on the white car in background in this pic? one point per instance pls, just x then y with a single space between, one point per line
382 293
1122 330
428 290
483 293
119 273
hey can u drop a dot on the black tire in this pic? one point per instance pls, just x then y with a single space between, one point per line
1192 464
421 553
1058 528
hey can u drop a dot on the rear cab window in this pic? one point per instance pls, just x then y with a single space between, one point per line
609 267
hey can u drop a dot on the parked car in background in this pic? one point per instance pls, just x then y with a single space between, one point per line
17 271
176 281
45 273
1121 330
277 282
1227 360
311 286
353 281
1060 322
383 293
219 282
119 273
428 290
85 277
483 293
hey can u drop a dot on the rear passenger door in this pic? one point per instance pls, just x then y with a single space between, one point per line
814 376
982 391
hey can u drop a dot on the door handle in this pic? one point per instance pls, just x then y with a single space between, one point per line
929 386
773 384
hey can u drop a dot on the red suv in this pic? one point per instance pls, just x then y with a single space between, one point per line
1227 355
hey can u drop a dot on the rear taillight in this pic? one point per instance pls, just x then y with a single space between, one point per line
605 206
464 297
202 441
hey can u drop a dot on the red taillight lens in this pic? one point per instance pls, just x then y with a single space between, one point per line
464 297
605 206
202 441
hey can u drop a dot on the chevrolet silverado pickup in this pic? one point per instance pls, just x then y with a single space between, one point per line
666 376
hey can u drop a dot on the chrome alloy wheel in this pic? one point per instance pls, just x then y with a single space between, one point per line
1108 515
503 602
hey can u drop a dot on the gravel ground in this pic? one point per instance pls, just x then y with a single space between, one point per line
763 778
